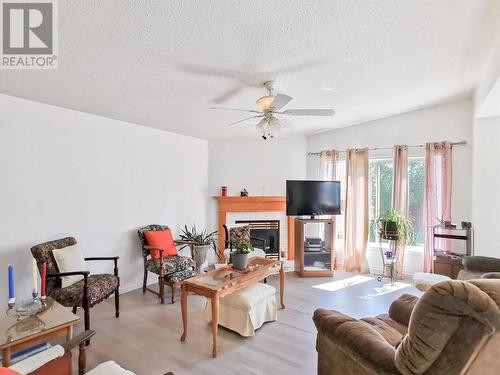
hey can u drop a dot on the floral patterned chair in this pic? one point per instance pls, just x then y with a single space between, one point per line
171 270
85 293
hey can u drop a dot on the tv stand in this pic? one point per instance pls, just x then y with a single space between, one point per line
314 247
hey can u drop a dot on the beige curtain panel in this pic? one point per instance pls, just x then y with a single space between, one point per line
327 164
438 176
356 211
400 197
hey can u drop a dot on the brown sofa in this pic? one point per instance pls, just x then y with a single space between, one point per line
479 267
454 328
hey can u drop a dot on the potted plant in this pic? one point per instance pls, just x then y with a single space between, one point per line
239 255
202 242
392 225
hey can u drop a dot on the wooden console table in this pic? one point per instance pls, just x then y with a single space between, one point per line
55 321
219 283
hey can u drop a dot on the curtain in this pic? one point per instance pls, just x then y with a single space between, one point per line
328 172
400 197
328 163
356 211
438 173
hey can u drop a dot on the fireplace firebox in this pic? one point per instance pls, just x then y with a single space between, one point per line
268 230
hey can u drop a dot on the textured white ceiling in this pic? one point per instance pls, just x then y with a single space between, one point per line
130 60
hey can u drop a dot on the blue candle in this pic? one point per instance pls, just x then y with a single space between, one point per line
11 283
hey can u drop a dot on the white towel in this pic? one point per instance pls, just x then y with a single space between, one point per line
36 361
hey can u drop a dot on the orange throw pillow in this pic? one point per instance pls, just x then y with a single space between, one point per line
8 371
161 239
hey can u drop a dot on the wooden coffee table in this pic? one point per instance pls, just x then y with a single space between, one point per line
55 321
219 283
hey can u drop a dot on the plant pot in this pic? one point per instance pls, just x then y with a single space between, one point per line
388 230
239 260
200 256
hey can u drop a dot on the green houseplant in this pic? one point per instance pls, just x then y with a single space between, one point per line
202 242
239 255
392 225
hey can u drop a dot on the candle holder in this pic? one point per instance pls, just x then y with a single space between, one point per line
26 308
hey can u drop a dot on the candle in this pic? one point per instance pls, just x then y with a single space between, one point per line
34 279
12 298
44 279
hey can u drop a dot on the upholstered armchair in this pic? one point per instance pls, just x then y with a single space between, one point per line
86 293
171 270
479 267
454 328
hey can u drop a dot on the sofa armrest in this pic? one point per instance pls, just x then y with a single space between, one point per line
357 339
481 264
402 308
491 275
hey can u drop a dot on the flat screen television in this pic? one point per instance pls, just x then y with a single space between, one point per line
310 198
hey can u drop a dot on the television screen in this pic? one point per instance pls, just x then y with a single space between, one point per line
312 198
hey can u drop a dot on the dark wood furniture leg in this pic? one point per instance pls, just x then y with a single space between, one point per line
74 309
184 307
161 286
144 283
173 286
282 285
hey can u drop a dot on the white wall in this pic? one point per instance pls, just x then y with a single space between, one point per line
66 173
262 167
486 180
487 186
452 121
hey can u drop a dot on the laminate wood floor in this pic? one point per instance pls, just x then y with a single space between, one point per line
146 337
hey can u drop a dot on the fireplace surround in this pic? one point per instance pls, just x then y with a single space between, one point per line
268 230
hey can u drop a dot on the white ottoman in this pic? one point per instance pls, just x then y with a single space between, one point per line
246 310
424 280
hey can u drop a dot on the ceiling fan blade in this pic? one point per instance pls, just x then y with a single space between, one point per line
226 95
308 112
280 101
209 70
245 119
286 123
235 109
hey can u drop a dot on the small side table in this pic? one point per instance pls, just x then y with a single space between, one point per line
55 321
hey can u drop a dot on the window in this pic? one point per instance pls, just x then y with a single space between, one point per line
380 195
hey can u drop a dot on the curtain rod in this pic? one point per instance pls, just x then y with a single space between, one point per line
386 148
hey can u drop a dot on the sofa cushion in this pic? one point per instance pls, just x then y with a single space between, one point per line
450 313
171 264
391 330
469 275
99 288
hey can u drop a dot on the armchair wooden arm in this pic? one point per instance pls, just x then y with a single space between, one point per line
113 258
80 341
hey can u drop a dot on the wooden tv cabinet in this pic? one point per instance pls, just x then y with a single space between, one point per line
314 247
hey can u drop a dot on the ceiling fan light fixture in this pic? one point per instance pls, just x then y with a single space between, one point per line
265 102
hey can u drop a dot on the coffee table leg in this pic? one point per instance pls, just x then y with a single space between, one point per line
215 322
282 285
184 296
6 357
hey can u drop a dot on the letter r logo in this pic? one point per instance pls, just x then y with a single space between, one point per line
27 28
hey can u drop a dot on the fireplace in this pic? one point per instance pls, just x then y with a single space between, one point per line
268 230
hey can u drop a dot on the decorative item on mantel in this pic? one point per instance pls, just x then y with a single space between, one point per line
244 193
32 306
223 191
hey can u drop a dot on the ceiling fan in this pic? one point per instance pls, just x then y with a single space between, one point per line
270 113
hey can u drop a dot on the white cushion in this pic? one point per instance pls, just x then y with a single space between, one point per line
70 259
109 368
424 280
246 310
36 361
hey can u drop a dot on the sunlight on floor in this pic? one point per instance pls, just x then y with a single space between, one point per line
387 288
344 283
